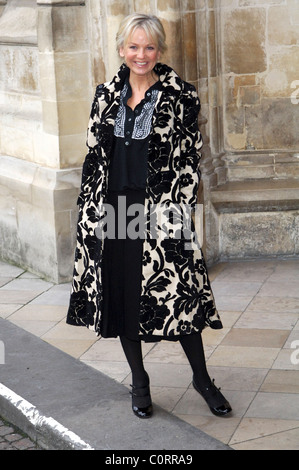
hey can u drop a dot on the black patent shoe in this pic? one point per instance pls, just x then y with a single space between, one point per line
141 401
217 403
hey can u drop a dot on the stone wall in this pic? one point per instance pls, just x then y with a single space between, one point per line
242 55
257 77
260 65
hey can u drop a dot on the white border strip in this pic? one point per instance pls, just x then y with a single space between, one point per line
39 421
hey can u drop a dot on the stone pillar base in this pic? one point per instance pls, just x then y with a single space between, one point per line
38 217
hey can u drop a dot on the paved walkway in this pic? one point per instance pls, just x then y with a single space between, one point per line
254 358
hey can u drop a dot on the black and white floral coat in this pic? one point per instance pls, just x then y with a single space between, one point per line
176 296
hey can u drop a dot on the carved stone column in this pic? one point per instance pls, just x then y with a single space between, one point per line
65 79
46 91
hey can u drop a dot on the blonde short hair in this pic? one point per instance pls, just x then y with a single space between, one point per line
151 25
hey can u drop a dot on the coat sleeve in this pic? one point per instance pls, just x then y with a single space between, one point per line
91 159
191 144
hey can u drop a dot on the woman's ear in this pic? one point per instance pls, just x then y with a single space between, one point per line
121 52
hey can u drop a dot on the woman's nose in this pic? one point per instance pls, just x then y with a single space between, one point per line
140 53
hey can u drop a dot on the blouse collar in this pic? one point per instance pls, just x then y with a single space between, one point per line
169 81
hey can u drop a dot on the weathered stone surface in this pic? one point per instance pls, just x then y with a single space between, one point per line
283 71
37 217
250 3
59 2
244 41
250 95
274 125
70 28
19 69
274 113
189 46
259 234
18 22
264 94
257 166
283 24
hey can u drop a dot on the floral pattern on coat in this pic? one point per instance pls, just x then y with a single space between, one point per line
176 296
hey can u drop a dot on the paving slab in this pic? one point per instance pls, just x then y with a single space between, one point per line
62 403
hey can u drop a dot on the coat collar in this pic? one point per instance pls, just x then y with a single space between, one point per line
172 84
171 87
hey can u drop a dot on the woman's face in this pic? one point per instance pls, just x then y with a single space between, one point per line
140 53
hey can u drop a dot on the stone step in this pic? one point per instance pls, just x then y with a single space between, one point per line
257 165
256 195
257 218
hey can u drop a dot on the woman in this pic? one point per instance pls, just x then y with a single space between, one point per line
144 143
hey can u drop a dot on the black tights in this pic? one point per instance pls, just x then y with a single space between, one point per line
192 346
133 353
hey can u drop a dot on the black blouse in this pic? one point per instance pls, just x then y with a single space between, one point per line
128 166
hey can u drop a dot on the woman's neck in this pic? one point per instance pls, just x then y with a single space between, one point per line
140 84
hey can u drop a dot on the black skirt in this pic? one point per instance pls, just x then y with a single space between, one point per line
122 267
